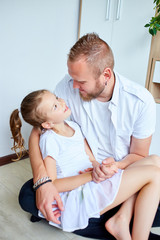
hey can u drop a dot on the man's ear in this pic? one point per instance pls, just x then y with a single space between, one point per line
107 72
46 125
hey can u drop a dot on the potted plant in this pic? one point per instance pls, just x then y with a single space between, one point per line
154 24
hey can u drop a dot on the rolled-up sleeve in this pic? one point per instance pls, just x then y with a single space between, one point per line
146 121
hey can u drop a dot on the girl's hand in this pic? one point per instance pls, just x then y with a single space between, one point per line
105 170
97 175
86 170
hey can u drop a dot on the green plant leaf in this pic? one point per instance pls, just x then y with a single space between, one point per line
154 24
153 20
157 25
151 31
154 31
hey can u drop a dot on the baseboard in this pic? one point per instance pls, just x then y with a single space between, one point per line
11 158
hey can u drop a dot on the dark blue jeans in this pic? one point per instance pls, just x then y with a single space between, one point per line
96 226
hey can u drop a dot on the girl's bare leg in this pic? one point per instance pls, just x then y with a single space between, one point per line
118 225
153 160
146 179
142 224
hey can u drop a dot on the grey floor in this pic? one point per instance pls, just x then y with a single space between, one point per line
14 222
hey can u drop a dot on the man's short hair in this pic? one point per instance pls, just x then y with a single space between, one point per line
96 52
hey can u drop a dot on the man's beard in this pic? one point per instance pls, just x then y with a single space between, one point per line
90 96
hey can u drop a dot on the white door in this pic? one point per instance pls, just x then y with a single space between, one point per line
97 16
121 24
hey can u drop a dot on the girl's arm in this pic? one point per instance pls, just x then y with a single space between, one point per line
89 151
98 175
67 183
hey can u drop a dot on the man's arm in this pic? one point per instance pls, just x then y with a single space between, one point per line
38 168
47 193
139 149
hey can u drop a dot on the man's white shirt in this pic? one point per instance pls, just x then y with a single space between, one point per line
132 112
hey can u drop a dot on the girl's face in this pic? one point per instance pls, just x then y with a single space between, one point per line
53 109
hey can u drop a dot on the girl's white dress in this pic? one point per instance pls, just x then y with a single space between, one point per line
88 200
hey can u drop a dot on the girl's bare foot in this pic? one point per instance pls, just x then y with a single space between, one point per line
118 226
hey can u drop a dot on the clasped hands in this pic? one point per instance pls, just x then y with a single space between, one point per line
101 172
47 193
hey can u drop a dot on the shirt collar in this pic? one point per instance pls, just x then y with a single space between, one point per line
115 95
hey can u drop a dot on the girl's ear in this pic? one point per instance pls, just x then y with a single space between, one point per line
46 125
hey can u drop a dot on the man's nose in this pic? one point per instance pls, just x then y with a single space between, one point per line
61 101
75 84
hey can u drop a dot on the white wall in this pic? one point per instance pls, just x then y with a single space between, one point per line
35 38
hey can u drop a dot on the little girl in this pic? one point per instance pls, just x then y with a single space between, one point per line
63 149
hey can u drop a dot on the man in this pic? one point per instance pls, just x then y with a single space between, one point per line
116 116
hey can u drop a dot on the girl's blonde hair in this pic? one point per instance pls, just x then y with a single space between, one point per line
30 114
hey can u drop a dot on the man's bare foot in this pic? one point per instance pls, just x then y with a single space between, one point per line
118 226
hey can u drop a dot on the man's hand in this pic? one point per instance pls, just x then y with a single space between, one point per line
45 195
104 171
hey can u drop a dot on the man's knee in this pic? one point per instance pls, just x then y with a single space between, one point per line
27 196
